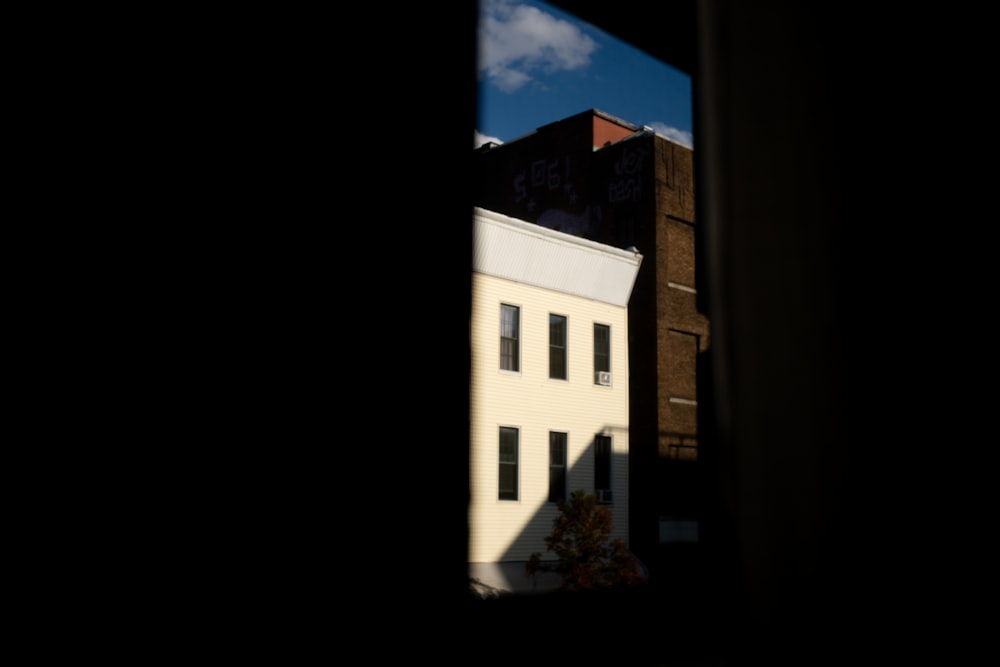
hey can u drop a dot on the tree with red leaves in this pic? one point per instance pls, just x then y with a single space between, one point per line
586 556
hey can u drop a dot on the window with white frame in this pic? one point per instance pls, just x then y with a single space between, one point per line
602 354
557 346
510 334
509 445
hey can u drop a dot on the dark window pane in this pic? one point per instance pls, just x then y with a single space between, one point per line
557 364
557 347
557 330
507 482
557 466
602 349
557 485
602 463
508 452
508 355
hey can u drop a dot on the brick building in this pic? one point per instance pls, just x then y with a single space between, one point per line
602 178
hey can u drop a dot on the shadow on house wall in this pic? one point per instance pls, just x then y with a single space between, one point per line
508 575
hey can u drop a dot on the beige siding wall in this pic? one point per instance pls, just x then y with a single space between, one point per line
529 400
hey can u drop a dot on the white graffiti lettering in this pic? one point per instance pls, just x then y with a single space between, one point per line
546 174
629 168
520 191
628 189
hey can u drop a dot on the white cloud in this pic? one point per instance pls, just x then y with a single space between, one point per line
481 139
517 39
680 136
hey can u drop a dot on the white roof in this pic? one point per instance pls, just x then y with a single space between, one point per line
524 252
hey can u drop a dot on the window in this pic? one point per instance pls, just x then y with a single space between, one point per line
557 466
508 463
602 468
557 347
602 354
510 327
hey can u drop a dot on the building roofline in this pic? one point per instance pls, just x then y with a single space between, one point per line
555 235
521 251
589 112
601 114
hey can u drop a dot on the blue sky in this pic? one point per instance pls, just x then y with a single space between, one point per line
538 64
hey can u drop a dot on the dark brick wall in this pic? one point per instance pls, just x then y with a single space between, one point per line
682 331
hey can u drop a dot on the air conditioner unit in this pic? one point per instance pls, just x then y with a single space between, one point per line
604 496
604 378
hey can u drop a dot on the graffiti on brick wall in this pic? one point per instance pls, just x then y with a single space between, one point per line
545 187
544 179
626 184
585 224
